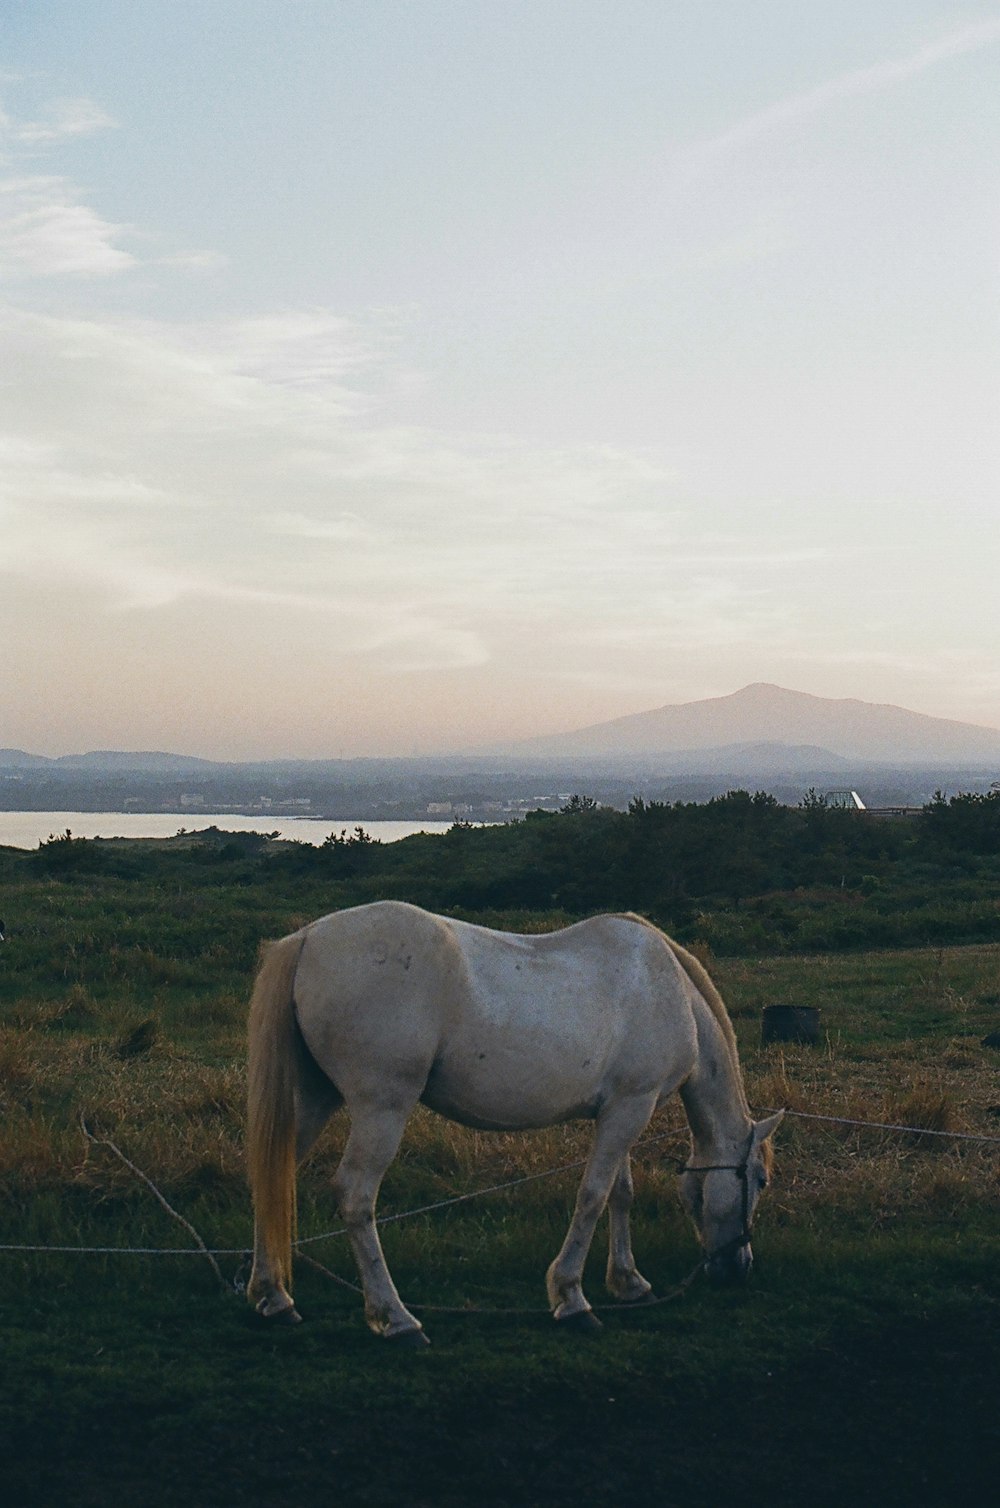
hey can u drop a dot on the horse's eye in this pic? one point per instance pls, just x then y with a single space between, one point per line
762 1180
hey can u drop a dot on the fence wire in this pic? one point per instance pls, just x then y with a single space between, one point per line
201 1250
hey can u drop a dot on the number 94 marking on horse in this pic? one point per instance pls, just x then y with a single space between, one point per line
381 1007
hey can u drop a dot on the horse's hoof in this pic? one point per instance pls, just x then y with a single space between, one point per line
581 1322
633 1299
409 1340
286 1317
290 1316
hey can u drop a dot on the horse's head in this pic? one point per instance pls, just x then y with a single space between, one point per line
721 1199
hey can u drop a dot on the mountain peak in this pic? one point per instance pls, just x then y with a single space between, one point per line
763 713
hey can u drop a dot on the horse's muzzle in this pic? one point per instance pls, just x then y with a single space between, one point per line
730 1267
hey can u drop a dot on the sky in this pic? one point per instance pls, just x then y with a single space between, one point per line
393 377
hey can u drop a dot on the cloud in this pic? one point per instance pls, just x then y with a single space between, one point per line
659 225
299 348
238 464
227 463
45 232
854 84
45 229
65 119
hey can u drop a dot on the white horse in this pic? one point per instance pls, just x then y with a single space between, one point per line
384 1006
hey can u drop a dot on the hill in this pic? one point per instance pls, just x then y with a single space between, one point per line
19 759
780 722
150 761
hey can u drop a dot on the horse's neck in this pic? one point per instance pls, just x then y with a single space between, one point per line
713 1095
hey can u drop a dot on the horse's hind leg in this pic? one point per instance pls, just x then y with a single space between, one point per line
376 1132
624 1281
618 1125
316 1099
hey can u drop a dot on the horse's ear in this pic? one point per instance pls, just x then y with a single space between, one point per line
766 1128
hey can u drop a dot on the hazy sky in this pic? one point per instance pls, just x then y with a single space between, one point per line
391 377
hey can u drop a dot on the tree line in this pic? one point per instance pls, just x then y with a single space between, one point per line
740 872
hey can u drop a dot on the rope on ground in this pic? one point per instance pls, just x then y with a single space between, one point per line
493 1188
844 1120
101 1141
650 1302
440 1204
340 1230
341 1282
129 1251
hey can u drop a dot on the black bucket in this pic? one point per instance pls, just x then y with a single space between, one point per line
789 1023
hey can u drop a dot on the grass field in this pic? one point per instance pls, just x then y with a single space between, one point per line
860 1366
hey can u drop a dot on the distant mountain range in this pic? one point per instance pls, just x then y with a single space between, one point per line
755 732
764 726
150 762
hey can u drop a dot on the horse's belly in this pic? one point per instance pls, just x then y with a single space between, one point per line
497 1092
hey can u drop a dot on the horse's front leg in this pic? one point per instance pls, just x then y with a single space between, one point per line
618 1125
623 1279
371 1146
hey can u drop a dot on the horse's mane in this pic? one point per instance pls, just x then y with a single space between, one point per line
699 977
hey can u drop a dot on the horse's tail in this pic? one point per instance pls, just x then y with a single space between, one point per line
274 1051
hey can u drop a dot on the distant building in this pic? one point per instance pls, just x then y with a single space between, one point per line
889 812
850 801
845 800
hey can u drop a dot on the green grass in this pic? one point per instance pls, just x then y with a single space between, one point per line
842 1377
860 1366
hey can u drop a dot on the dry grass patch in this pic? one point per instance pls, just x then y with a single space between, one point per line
894 1052
214 1095
76 1010
16 1068
925 1105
